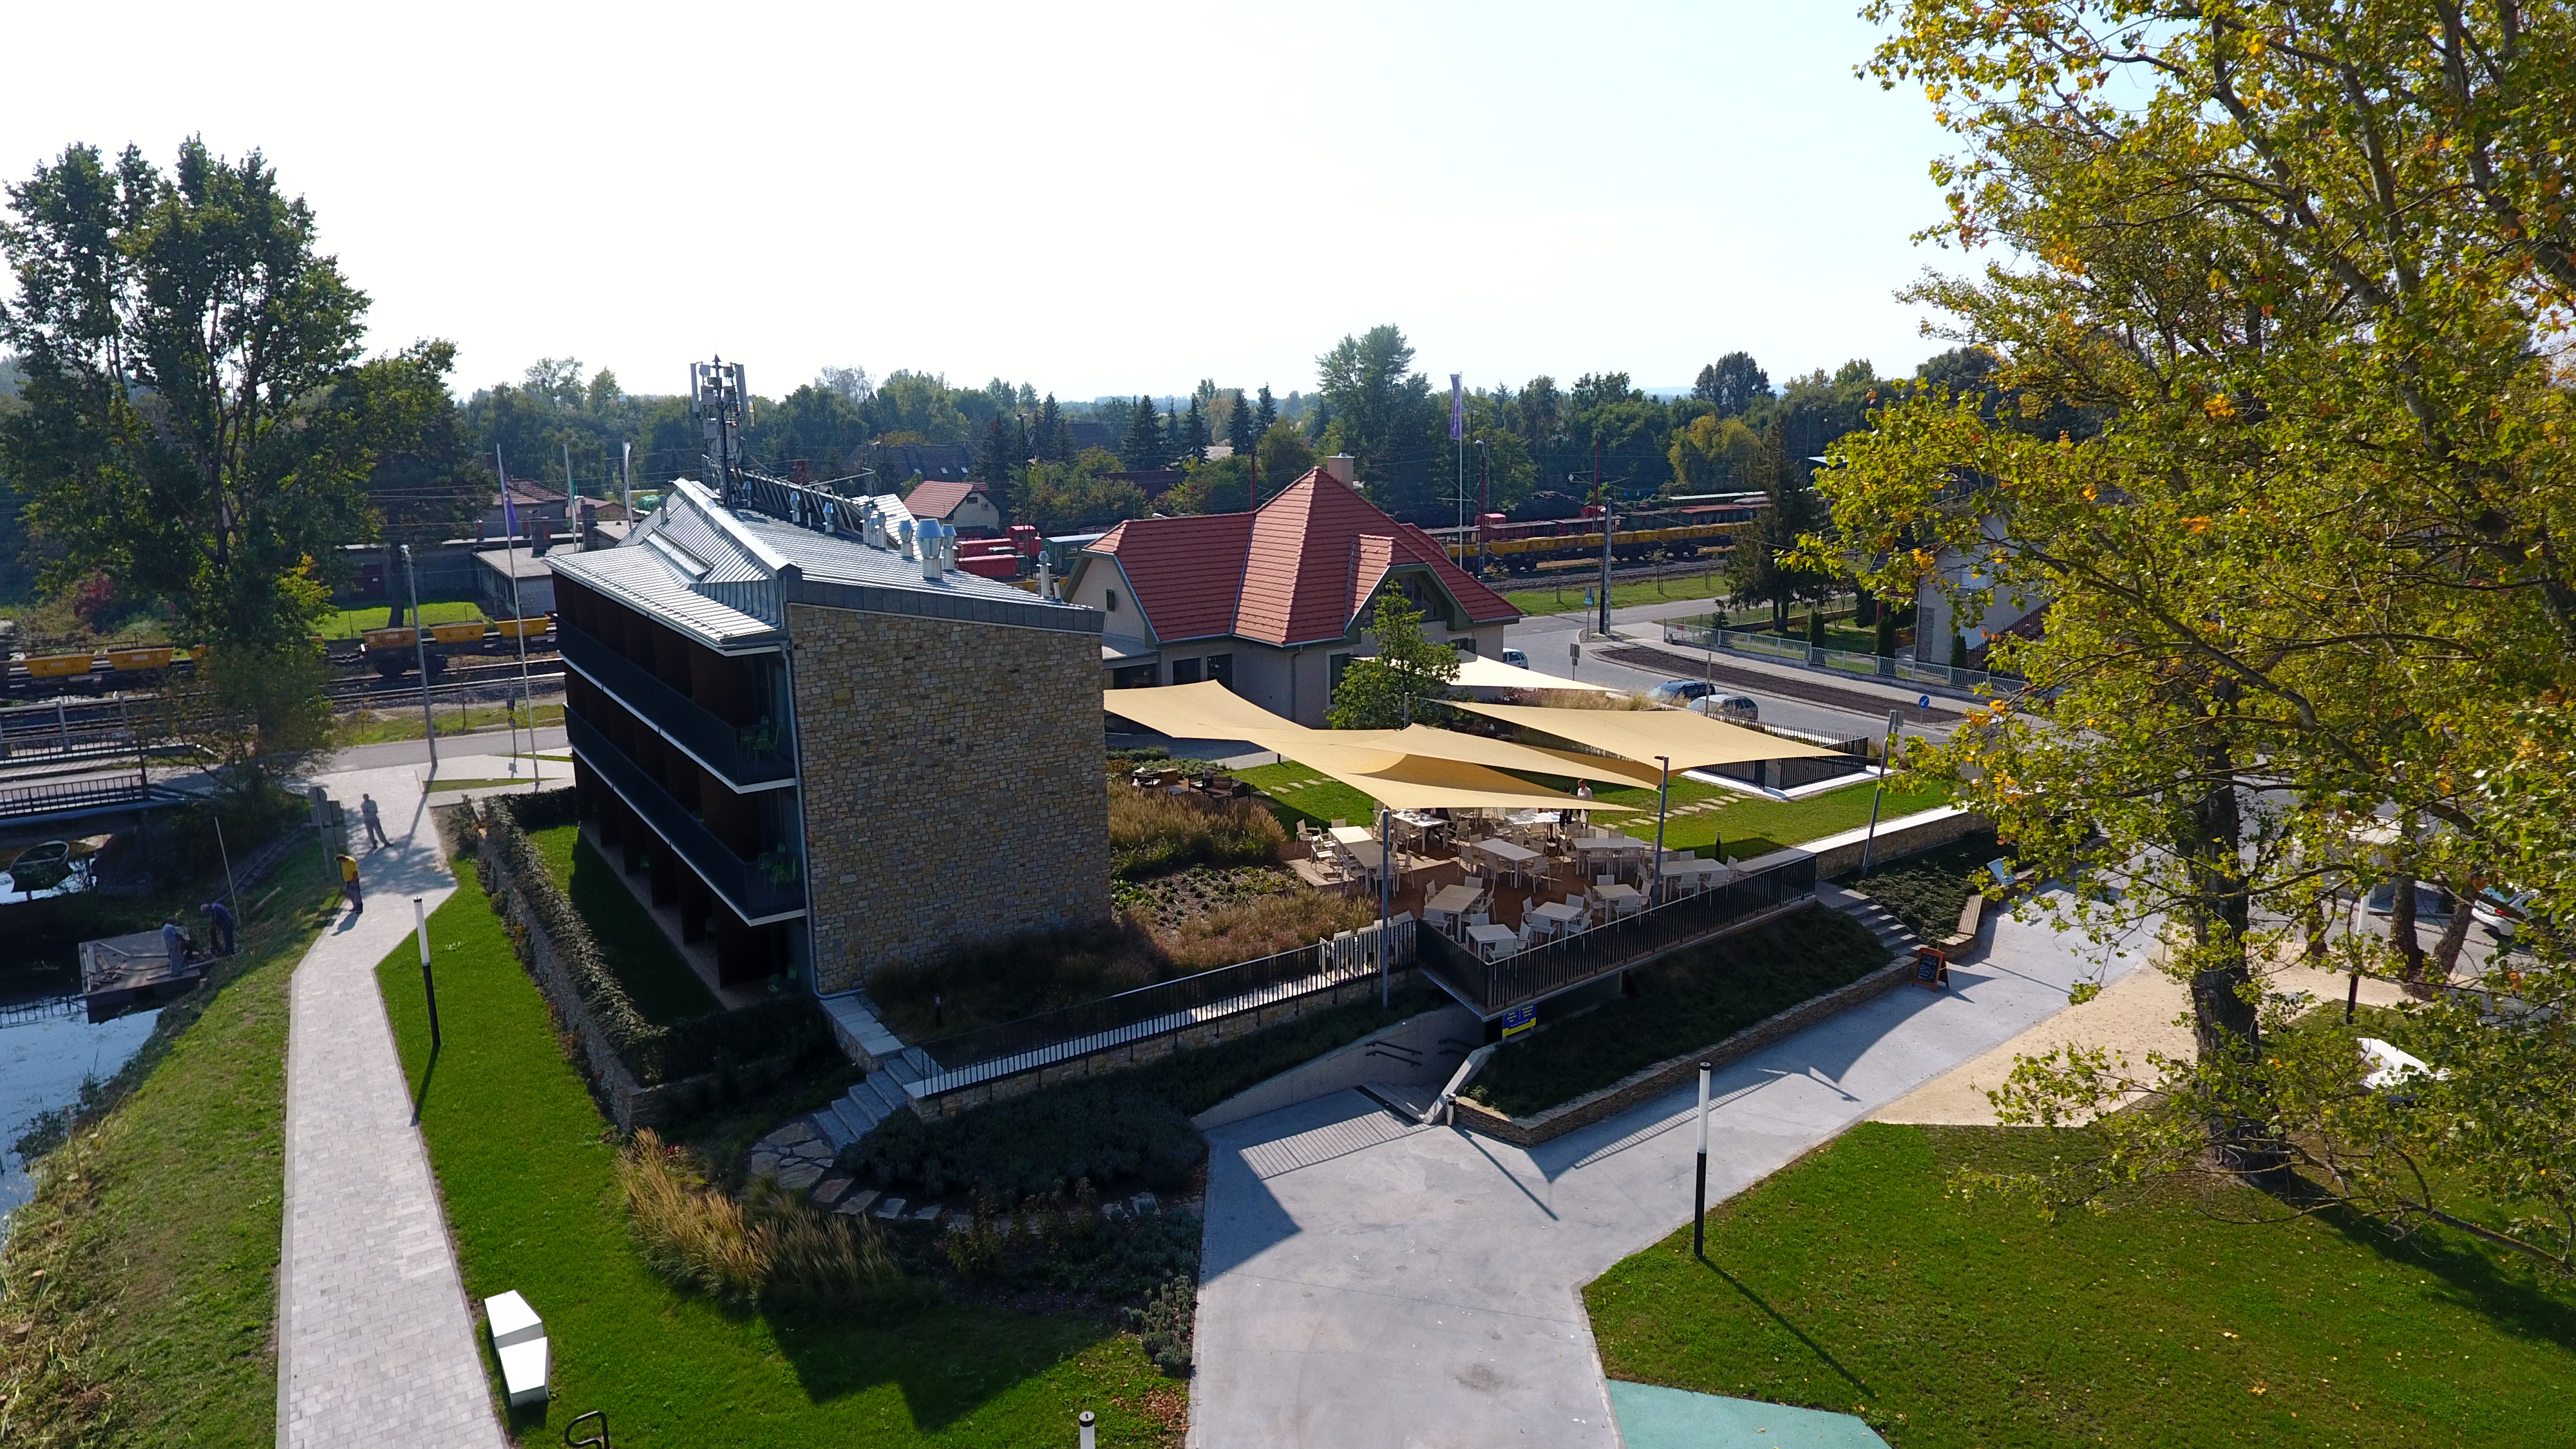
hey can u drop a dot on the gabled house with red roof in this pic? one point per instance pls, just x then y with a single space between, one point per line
1274 603
961 503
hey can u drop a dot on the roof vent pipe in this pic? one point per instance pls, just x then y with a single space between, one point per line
904 531
929 537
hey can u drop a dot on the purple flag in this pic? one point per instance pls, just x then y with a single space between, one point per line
1457 409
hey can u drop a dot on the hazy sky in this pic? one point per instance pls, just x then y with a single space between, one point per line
1092 199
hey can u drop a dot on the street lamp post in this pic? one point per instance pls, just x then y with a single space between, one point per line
420 652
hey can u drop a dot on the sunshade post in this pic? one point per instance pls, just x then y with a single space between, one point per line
1385 899
1886 762
1663 796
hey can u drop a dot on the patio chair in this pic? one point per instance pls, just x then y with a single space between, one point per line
1479 918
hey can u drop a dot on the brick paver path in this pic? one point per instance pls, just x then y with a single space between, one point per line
375 1342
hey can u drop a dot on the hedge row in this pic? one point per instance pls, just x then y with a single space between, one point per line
1130 1126
789 1027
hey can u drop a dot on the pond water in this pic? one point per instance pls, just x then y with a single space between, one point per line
48 1047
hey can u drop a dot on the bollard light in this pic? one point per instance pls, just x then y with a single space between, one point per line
1699 1187
1087 1431
428 984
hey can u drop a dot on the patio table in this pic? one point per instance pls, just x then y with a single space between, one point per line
1616 895
1367 854
1353 834
1493 941
1559 914
1455 900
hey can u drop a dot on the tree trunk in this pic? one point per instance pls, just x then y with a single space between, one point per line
2225 1024
2446 950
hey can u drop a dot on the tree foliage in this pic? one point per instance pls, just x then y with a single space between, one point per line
2304 270
1404 681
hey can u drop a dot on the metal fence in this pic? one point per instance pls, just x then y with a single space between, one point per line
1840 661
80 795
1492 987
1167 1006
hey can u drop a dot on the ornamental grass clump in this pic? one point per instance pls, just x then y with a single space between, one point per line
1154 831
770 1250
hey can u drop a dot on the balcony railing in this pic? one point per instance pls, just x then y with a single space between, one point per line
759 755
755 893
1493 987
1841 661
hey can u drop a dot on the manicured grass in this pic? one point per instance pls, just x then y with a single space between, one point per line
525 1167
1864 1279
1565 595
645 962
138 1290
350 623
1750 824
1682 1003
393 722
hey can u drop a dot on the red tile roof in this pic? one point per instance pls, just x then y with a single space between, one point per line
1295 571
939 497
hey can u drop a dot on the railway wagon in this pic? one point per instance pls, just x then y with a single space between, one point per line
1677 532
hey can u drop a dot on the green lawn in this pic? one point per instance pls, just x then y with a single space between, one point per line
350 623
1863 1280
394 722
643 959
1750 824
1564 595
525 1167
140 1285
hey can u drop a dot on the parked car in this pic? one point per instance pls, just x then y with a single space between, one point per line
2432 903
1516 659
1733 708
1680 691
2501 909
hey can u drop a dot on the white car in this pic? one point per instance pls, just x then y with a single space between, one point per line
1736 708
1516 659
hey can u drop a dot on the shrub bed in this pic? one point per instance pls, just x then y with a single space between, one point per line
1928 891
1132 1127
1681 1003
1155 831
655 1054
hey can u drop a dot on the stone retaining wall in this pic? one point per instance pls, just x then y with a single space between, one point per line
1154 1048
1651 1082
628 1102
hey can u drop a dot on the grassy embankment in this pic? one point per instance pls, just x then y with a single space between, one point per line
1564 594
350 623
643 959
398 722
138 1290
1863 1279
1750 824
526 1167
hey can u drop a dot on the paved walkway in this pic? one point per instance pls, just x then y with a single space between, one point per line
1369 1283
375 1343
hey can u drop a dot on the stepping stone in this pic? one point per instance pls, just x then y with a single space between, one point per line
794 1132
1113 1211
1142 1204
817 1150
956 1222
828 1191
798 1176
890 1209
929 1214
762 1164
858 1203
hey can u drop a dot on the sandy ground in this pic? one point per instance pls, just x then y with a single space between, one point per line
2137 1014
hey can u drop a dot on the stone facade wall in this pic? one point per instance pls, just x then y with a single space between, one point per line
952 785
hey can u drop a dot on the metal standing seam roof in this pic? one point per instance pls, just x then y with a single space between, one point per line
642 579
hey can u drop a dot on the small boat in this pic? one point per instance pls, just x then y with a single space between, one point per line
121 972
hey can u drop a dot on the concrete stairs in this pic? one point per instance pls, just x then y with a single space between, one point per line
1901 942
891 1066
879 1095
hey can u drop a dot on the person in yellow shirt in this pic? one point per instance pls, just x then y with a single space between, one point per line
349 885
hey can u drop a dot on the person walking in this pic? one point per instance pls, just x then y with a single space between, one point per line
375 826
220 926
349 885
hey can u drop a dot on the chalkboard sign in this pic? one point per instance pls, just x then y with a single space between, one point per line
1519 1019
1931 968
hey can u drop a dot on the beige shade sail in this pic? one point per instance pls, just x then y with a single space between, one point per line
1691 741
1481 673
1416 769
1505 754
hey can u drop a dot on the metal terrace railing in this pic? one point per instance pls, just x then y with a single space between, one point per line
752 893
76 797
969 1057
1841 661
745 757
1493 987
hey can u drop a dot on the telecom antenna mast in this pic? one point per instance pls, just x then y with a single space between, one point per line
722 406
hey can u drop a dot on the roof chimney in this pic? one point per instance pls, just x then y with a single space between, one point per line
1341 467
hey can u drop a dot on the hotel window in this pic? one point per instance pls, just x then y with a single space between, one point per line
1185 671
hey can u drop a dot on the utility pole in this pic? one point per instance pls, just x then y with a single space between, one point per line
1601 500
1484 503
518 626
626 472
1886 762
420 652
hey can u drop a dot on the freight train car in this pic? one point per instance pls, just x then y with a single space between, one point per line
1680 529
